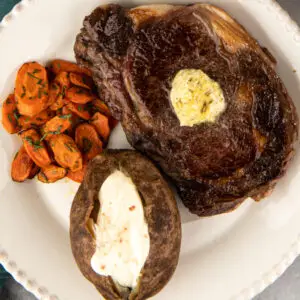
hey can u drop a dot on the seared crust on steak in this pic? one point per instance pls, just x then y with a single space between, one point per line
134 55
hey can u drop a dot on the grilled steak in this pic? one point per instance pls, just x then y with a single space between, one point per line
136 53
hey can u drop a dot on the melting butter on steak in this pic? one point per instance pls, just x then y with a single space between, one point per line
135 55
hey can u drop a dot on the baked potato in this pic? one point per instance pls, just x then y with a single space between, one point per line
160 214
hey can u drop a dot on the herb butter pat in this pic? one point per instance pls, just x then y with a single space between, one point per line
196 98
122 236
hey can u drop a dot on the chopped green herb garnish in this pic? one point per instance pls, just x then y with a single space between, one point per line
27 119
36 71
79 108
58 131
31 75
86 145
40 81
45 93
58 65
44 176
43 137
69 147
40 93
16 114
9 118
36 144
63 92
24 92
64 117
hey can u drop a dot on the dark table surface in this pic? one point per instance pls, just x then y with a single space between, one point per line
287 287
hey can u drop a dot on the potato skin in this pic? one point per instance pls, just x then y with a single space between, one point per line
161 214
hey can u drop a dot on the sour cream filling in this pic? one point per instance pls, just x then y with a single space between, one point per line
121 232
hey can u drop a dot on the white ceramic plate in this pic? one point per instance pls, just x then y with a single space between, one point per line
232 256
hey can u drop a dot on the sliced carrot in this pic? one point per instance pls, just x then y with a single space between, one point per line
53 93
21 166
58 65
38 120
87 140
101 124
31 89
63 79
10 115
66 152
59 103
51 174
100 106
34 170
57 125
78 175
81 80
79 95
36 148
80 110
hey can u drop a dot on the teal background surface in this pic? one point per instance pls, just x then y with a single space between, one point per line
5 7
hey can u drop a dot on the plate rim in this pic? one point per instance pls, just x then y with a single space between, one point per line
41 292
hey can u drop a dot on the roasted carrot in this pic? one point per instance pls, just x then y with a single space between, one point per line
54 92
38 120
51 174
62 82
101 124
59 65
66 152
59 103
57 125
100 106
87 140
79 95
31 89
63 79
10 115
36 148
80 110
34 170
21 166
81 80
78 175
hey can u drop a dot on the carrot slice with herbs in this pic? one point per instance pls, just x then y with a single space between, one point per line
66 153
34 170
79 95
78 175
80 110
10 115
51 174
57 125
100 106
58 65
36 148
31 89
88 142
21 166
54 92
101 124
38 120
81 80
63 79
